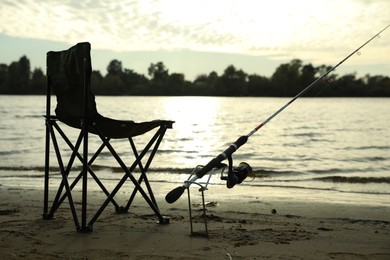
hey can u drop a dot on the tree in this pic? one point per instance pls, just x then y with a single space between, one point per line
378 86
158 72
114 68
204 85
233 82
158 84
13 81
212 80
18 76
38 82
308 75
112 83
25 73
131 80
97 83
258 86
175 84
3 77
285 79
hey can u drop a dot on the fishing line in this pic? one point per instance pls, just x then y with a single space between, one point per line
175 194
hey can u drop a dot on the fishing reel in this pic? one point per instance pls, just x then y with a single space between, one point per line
237 174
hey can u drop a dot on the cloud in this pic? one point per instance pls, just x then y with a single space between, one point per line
316 30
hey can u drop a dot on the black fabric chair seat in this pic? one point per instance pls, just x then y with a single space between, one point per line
114 128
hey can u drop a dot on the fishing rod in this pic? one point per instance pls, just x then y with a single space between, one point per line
237 175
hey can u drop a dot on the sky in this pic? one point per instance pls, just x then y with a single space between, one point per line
197 37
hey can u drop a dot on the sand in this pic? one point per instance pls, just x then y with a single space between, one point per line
239 228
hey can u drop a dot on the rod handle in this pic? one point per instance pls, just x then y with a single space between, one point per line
174 194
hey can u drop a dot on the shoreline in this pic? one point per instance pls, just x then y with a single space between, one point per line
240 227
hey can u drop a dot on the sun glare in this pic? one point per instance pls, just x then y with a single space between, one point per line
191 115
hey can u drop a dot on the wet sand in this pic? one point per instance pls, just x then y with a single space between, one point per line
242 227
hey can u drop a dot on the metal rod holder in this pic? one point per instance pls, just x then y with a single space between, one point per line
202 189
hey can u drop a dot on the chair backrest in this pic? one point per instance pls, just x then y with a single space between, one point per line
68 74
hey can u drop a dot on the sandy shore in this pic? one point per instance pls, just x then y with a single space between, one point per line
239 228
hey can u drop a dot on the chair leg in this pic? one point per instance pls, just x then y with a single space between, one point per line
84 200
65 188
158 137
45 214
128 174
57 200
65 179
93 158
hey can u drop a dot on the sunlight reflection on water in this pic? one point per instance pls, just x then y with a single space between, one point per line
313 137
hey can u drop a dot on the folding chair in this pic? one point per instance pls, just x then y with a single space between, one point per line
68 75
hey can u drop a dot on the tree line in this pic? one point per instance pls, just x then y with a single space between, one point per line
287 80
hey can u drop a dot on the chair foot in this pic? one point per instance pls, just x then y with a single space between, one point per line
199 234
47 216
85 229
122 210
164 220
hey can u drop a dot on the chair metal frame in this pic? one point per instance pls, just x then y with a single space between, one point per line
65 188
